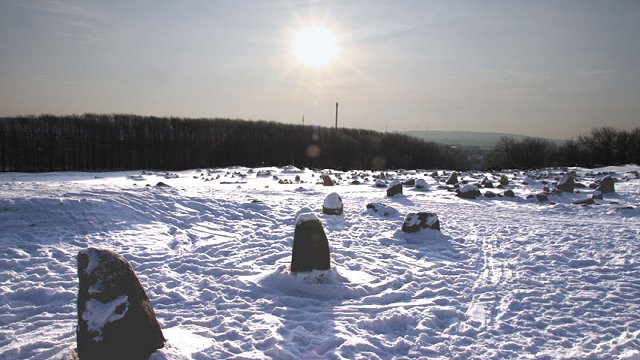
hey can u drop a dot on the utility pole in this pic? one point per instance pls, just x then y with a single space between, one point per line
336 115
302 119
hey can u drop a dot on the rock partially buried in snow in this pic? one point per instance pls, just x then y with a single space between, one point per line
421 184
310 245
509 193
394 188
381 209
566 184
606 185
115 317
469 191
414 222
332 204
504 181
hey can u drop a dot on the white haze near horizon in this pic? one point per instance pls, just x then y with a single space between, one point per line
544 68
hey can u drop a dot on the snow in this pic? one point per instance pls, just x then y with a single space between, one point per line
305 217
468 188
98 314
506 278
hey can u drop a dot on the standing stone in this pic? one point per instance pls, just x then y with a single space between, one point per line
394 188
332 205
566 184
504 181
310 245
453 179
606 185
486 183
413 222
326 180
115 317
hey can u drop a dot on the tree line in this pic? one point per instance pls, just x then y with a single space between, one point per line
601 146
122 141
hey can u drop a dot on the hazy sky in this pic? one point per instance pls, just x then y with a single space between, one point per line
540 68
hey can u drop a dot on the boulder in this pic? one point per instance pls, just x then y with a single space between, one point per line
453 178
326 180
509 193
489 194
606 185
381 183
332 204
310 245
566 184
115 317
468 192
414 222
394 188
421 184
381 209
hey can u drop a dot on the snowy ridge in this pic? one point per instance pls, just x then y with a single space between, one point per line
506 278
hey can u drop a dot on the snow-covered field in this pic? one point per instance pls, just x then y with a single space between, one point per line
505 278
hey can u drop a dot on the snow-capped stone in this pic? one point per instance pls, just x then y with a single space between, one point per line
413 222
566 184
381 209
332 204
469 191
305 215
421 184
115 317
394 188
310 245
606 185
453 178
380 183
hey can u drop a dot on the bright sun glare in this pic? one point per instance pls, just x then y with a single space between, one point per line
315 46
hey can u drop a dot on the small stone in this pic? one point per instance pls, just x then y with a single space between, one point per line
566 184
326 180
542 197
587 201
381 209
421 184
489 194
468 191
509 193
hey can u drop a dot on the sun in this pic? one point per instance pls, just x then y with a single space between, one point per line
315 46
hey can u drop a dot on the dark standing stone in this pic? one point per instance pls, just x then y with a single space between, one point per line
606 185
310 245
332 205
410 182
509 193
486 183
566 184
413 222
115 317
504 181
453 179
394 188
326 180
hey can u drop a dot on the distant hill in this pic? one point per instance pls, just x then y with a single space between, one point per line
484 140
